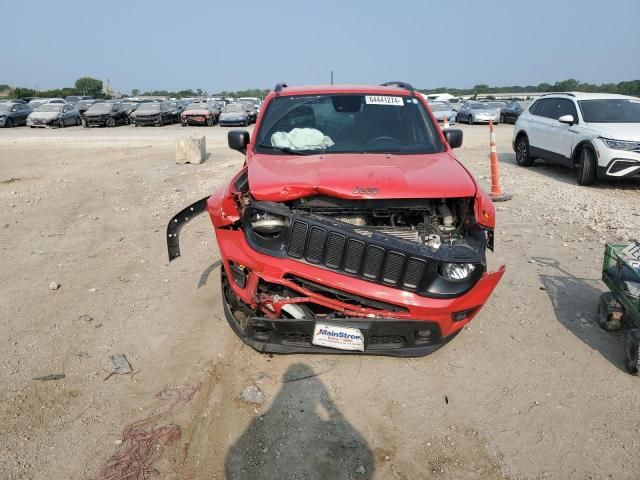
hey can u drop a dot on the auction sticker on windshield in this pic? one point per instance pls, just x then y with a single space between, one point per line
342 338
383 100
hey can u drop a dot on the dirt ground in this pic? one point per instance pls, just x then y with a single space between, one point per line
532 389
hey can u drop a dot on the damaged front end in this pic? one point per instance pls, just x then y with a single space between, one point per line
405 275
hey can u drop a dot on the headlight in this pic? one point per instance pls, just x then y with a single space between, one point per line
457 271
267 224
621 144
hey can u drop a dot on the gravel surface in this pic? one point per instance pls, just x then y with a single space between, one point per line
531 389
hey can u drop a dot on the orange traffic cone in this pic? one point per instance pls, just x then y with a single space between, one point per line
496 192
446 122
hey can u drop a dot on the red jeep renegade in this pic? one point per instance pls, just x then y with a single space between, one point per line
351 227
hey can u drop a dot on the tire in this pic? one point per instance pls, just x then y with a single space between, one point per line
470 119
586 171
78 121
111 122
160 121
502 120
8 123
60 123
84 124
631 357
610 313
523 157
210 122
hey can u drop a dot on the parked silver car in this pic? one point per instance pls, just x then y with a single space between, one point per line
443 109
480 112
54 115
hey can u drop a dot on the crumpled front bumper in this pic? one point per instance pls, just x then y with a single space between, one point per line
393 321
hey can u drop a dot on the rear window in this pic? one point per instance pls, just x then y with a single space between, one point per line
348 124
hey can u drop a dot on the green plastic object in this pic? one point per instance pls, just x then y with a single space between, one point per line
621 273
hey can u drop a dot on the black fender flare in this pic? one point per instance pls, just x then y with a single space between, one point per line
178 221
576 150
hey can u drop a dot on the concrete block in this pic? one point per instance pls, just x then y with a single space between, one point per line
191 149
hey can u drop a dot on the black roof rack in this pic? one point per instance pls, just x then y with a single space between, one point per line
558 93
280 86
405 85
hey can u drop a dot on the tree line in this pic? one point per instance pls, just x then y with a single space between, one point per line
631 87
82 86
93 87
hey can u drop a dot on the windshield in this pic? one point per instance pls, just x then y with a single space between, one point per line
50 107
479 106
148 107
495 105
234 107
100 107
439 107
618 110
129 105
347 124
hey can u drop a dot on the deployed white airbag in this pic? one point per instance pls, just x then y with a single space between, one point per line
301 139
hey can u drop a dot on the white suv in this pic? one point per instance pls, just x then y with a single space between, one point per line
597 134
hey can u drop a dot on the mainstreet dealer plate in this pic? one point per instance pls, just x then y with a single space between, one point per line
342 338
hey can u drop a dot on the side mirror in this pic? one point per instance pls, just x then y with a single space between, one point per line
453 137
238 140
568 119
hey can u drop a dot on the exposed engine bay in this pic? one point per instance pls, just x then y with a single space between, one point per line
428 222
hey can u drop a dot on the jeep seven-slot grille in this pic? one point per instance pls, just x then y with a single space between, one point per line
355 257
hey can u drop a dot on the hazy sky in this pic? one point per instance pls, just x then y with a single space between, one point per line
230 45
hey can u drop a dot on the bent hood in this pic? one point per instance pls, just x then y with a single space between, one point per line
280 178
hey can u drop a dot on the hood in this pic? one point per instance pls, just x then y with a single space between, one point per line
196 111
486 111
356 176
234 115
44 115
617 131
95 114
441 115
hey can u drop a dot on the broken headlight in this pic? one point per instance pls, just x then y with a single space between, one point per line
457 271
267 224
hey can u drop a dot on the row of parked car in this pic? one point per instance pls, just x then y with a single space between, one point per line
478 112
89 112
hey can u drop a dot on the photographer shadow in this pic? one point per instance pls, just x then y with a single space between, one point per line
302 435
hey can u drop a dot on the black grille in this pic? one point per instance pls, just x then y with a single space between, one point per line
393 268
354 256
335 249
413 274
373 262
297 239
315 248
387 340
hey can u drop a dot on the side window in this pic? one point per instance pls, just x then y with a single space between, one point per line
549 108
535 107
566 107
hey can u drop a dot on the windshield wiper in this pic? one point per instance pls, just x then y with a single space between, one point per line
286 150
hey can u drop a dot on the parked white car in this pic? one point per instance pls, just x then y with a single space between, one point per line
597 134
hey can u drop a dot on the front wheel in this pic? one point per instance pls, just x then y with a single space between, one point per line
78 121
111 122
610 313
60 123
586 171
631 357
523 157
470 120
160 121
8 123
